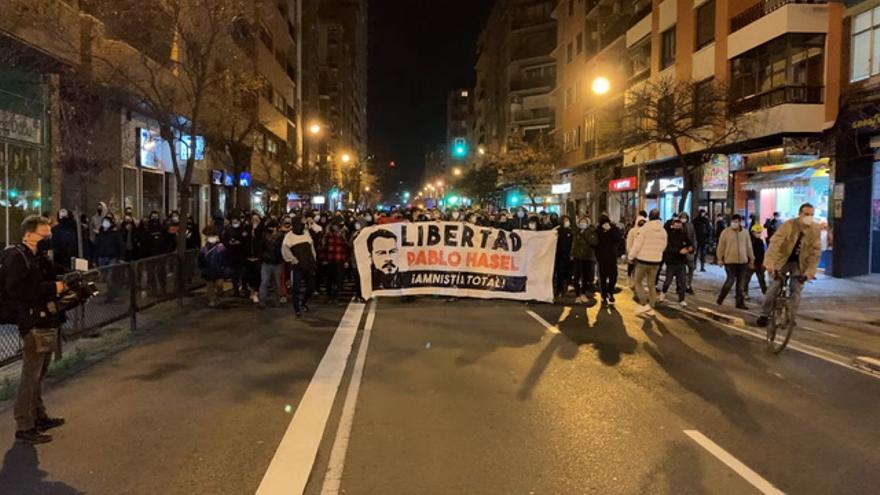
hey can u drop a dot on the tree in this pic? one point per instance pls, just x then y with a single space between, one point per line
683 115
480 184
528 165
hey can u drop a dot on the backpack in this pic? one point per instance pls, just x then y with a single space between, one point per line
8 309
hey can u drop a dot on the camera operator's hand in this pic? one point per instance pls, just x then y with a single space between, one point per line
60 287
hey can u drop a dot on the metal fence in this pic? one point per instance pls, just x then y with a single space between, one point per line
125 289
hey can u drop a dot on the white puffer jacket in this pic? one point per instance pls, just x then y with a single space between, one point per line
649 244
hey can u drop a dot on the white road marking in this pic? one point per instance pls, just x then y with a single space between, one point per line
822 332
542 321
333 477
292 464
732 462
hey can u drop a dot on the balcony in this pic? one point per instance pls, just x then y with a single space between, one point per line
532 83
533 114
780 96
763 8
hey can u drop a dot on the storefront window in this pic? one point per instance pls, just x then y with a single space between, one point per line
23 194
154 192
129 190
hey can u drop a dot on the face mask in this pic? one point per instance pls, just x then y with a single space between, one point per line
606 226
213 239
368 218
154 218
357 226
533 226
236 225
175 219
62 214
735 224
520 214
566 224
684 220
105 225
583 225
455 215
44 245
807 220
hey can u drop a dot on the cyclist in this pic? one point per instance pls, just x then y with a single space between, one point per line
794 250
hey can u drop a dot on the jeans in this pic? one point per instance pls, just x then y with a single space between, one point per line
702 248
762 279
214 289
607 279
584 277
335 272
303 286
646 272
796 285
736 274
29 400
691 268
270 275
679 273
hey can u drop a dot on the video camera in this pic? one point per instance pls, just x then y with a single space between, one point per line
81 286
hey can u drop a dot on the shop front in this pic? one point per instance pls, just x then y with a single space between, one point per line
664 194
24 153
623 199
545 201
784 188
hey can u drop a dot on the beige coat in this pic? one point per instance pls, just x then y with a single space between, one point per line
783 241
734 247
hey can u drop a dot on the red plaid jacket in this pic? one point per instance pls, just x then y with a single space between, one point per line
334 250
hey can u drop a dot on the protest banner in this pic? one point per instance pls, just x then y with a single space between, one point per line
455 259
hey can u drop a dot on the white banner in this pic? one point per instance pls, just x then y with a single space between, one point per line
455 259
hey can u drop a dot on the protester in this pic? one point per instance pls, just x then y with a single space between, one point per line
96 219
691 232
630 239
131 238
213 264
519 221
678 247
251 264
735 254
772 224
583 256
758 248
298 249
703 230
272 262
563 264
720 225
235 240
607 249
334 257
65 240
647 253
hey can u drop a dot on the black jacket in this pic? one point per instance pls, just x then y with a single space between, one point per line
109 244
760 249
155 240
703 229
563 244
270 248
237 242
608 249
64 242
677 240
30 286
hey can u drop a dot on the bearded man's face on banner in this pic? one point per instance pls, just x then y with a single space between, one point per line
384 254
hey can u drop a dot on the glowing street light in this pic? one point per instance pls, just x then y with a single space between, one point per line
456 171
315 128
367 189
346 158
439 183
601 85
481 150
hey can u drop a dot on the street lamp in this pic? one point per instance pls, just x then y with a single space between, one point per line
439 183
346 158
481 150
367 189
315 128
456 171
601 85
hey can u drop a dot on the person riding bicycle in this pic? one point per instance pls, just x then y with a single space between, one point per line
795 250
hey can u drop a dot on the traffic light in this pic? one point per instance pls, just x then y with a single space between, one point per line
459 148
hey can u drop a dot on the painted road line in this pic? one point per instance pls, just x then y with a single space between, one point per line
820 332
542 321
292 464
827 356
333 477
732 462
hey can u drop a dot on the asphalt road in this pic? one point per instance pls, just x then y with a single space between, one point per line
462 397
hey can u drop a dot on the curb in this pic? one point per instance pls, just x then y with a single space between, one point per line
722 317
866 363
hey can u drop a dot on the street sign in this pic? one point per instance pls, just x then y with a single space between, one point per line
562 188
624 184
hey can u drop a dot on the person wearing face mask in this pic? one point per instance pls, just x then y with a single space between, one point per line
678 247
252 249
96 219
641 220
772 224
333 256
735 254
65 244
130 238
703 230
533 224
235 239
759 248
298 250
795 250
583 254
29 284
563 257
109 249
271 262
212 263
607 252
155 242
519 221
647 252
691 233
455 216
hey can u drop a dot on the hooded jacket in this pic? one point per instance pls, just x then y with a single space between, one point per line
782 245
735 247
649 243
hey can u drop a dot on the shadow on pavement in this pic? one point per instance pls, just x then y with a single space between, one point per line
21 474
678 472
698 373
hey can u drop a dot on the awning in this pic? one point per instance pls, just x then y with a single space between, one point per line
787 178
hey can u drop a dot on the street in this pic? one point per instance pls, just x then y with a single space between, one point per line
456 397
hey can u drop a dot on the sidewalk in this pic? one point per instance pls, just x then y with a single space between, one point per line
853 303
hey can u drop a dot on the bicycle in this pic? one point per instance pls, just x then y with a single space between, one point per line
782 320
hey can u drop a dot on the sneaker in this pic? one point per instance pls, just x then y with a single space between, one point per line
283 300
763 321
611 300
305 308
690 290
650 312
643 310
255 298
741 306
298 314
683 304
46 424
661 297
719 301
32 436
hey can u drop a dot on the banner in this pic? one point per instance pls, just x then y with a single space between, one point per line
716 174
455 259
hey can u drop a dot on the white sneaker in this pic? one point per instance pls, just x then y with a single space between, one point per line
661 297
650 312
683 304
643 310
255 298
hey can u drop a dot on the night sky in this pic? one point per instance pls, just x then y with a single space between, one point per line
419 52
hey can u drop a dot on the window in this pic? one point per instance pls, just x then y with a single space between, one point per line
866 45
569 53
705 24
278 101
667 48
580 43
577 138
590 142
271 146
704 96
640 59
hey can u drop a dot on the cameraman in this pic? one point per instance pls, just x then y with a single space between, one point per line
29 287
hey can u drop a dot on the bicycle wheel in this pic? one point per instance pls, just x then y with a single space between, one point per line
780 327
